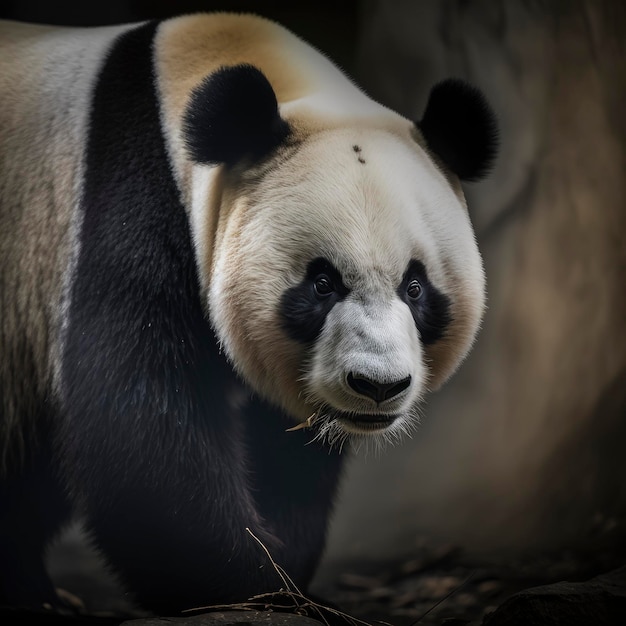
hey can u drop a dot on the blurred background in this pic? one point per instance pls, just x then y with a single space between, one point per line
523 452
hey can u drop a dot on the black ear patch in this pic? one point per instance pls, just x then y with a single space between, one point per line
233 114
460 127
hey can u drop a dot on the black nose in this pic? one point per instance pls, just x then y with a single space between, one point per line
375 390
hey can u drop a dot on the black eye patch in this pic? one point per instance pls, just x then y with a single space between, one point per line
430 308
303 308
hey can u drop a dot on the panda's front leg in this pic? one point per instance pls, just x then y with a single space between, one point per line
172 520
295 480
155 460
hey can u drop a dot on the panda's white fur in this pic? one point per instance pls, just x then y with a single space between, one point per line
370 220
46 80
134 209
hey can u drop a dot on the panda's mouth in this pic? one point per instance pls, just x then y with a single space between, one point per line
336 427
365 422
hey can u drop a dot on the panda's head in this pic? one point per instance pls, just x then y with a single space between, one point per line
339 264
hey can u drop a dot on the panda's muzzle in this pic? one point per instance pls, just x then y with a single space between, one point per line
375 390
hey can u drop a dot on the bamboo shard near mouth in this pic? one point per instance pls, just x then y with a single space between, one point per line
308 422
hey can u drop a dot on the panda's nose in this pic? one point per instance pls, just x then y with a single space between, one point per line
377 391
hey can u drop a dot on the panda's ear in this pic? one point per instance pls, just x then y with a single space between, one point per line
461 129
233 114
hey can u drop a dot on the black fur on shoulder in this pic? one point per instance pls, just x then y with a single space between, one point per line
233 114
461 129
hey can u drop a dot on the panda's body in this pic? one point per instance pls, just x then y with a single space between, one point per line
173 240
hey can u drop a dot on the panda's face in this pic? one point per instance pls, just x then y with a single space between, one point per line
346 280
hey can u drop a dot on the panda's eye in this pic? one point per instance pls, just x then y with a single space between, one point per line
323 285
414 289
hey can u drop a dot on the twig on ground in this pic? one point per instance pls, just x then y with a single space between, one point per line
268 600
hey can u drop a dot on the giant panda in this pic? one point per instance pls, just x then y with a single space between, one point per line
222 265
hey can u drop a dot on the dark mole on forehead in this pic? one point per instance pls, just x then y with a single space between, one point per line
357 149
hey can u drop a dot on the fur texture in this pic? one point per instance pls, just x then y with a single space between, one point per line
233 248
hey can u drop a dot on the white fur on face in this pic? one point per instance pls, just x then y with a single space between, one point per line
369 220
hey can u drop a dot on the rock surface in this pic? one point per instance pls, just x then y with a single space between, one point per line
600 601
228 618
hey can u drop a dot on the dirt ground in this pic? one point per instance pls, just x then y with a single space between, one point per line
434 585
438 585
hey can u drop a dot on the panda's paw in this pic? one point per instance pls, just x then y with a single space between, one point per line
64 603
69 600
